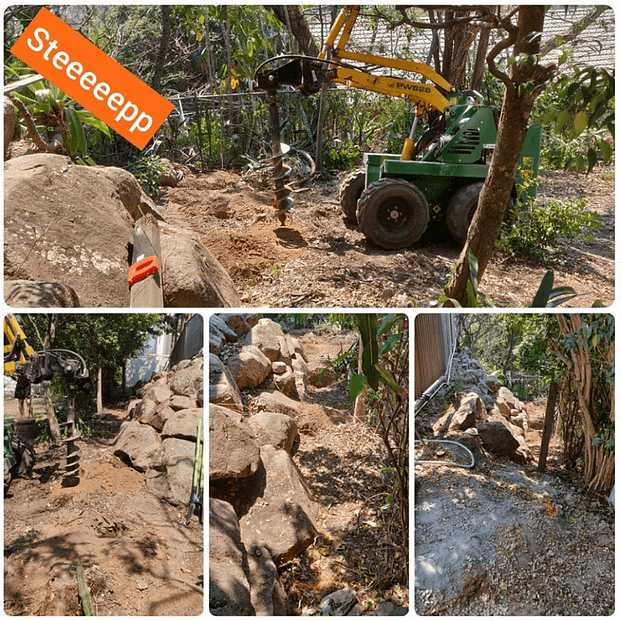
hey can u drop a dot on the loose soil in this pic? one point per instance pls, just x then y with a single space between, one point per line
139 557
316 260
343 461
503 539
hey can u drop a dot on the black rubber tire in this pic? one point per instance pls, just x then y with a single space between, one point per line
349 193
393 213
460 210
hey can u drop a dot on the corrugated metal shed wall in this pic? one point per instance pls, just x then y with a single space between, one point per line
434 335
190 341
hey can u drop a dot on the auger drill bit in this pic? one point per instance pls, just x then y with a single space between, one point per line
281 171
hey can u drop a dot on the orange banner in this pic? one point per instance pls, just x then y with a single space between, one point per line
93 79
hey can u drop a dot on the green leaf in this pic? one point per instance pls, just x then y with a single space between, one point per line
356 385
442 299
543 292
78 138
607 150
580 123
563 117
387 322
86 117
390 343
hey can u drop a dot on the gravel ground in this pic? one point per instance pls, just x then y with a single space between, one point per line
503 540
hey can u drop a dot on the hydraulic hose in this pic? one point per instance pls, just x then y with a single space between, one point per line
468 466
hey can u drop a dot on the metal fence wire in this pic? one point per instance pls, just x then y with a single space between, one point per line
232 129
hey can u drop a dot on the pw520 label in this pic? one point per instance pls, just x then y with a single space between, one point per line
87 74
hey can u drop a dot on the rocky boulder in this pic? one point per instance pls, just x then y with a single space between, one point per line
501 438
29 294
233 448
159 437
193 278
283 521
251 469
229 591
250 367
73 226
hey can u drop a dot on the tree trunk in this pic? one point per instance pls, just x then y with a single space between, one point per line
599 466
512 129
50 413
163 49
291 17
99 389
478 70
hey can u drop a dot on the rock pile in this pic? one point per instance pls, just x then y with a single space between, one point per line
487 416
159 437
261 511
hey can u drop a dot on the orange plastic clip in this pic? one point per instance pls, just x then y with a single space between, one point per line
142 268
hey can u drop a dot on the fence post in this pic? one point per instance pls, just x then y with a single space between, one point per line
547 426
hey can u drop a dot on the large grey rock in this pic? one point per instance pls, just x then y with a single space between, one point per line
250 367
269 337
502 439
158 393
219 334
193 278
338 603
267 595
188 381
471 410
233 448
239 323
175 459
28 294
69 224
275 401
506 402
156 416
222 387
182 424
276 429
301 373
283 520
229 591
178 402
138 443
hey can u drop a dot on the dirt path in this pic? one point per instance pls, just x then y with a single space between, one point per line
344 463
318 261
139 557
502 539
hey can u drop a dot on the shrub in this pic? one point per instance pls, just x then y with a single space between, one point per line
537 229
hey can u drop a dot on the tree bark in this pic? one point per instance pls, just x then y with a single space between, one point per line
478 70
52 420
291 17
599 465
163 49
99 389
512 128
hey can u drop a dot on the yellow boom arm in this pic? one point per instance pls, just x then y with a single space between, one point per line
426 96
17 350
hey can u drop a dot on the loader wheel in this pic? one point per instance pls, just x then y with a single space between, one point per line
393 213
460 210
349 194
